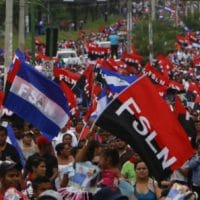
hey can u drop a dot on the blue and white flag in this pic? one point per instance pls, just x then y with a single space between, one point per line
115 81
38 100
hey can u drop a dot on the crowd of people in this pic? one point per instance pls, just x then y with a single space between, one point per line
102 166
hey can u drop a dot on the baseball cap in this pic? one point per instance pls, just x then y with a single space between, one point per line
50 194
41 140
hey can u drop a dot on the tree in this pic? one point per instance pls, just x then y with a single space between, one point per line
192 21
164 36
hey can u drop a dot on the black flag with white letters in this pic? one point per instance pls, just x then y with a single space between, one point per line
142 118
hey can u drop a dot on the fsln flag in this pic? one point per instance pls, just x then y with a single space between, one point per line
143 119
38 100
115 81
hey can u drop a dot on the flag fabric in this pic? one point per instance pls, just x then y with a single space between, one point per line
136 116
68 76
71 99
84 132
14 142
101 104
18 55
156 75
94 102
13 69
115 81
84 86
1 97
185 119
38 100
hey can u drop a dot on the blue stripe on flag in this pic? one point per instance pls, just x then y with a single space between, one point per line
38 100
31 114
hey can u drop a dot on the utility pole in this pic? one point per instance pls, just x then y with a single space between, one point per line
21 24
32 6
152 17
8 37
129 26
27 29
153 10
177 12
48 16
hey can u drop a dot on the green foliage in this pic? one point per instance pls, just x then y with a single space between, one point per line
192 21
64 35
164 36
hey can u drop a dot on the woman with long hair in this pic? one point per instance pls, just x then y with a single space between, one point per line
35 167
65 164
145 187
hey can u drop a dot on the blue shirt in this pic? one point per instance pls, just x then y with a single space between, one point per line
148 196
114 39
194 164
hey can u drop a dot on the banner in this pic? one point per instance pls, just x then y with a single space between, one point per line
37 100
143 119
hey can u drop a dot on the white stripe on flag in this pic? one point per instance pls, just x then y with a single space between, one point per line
113 80
35 97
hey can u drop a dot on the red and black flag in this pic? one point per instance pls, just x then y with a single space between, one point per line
85 84
66 75
185 119
143 119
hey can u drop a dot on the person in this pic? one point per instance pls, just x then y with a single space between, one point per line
7 151
46 152
9 176
128 168
60 137
67 139
89 152
65 165
194 165
41 184
114 40
125 152
145 187
111 178
109 163
27 144
35 167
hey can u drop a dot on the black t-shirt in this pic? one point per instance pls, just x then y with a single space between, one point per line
10 153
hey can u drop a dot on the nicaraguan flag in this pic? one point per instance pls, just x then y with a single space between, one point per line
38 100
115 81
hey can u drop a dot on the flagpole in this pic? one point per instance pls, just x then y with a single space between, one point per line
8 37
